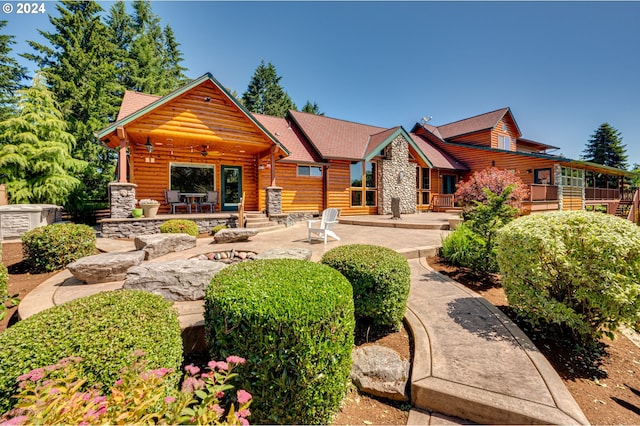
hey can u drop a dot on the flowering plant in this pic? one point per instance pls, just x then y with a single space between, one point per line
148 202
53 395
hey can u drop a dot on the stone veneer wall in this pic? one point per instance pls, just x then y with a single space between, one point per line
130 228
122 199
390 185
274 200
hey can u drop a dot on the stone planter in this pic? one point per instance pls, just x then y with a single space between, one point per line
136 213
150 210
453 223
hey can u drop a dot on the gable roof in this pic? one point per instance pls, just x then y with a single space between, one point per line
133 102
131 114
300 150
474 124
438 158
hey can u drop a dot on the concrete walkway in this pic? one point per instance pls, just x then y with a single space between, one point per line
470 361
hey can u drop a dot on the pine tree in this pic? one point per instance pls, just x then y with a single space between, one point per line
11 75
78 63
265 95
173 72
121 36
605 147
35 150
312 108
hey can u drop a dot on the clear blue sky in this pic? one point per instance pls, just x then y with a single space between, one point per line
564 68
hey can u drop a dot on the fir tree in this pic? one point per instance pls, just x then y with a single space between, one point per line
121 25
605 147
173 72
35 150
312 108
11 75
265 95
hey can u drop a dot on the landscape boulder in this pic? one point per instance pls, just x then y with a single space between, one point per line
380 371
231 235
178 280
105 267
285 253
156 245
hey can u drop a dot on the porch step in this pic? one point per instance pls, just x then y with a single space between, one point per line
256 220
623 209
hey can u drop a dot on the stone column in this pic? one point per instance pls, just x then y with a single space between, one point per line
274 200
122 199
397 178
557 178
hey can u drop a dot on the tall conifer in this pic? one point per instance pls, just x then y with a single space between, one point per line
265 95
11 75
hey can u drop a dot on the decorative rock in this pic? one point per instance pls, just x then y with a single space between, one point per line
156 245
105 267
179 280
380 371
285 253
230 235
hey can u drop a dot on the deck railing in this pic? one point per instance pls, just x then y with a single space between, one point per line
442 201
602 194
539 192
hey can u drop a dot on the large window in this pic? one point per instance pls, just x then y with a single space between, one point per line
572 177
364 183
423 185
314 171
542 176
192 177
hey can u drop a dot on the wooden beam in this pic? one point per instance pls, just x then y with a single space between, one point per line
122 154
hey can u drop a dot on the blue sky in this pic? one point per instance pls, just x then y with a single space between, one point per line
564 68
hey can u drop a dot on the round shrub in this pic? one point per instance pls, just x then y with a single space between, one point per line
293 322
580 270
217 228
52 247
380 277
103 329
180 226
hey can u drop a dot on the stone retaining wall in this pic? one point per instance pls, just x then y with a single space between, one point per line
130 228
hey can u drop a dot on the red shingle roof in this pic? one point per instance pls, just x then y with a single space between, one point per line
472 124
334 138
299 148
378 138
133 102
438 158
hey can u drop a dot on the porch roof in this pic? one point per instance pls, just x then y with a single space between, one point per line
474 124
439 159
300 150
201 112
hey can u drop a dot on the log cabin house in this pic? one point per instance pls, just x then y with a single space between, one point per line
201 138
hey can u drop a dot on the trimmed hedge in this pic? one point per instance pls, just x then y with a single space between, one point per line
380 277
577 269
293 322
180 226
103 329
52 247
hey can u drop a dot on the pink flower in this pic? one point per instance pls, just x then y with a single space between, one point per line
218 409
242 420
192 369
217 364
192 384
220 394
118 382
244 413
243 396
233 359
161 372
16 421
169 399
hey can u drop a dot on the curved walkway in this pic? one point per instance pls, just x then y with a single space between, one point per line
470 361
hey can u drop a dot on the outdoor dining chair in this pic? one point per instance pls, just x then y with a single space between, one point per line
211 200
172 197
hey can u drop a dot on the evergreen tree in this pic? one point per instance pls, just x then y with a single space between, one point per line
121 36
173 71
265 95
79 65
605 147
312 108
11 75
35 150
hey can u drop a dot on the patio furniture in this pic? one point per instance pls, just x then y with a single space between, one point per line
329 217
210 200
172 197
192 199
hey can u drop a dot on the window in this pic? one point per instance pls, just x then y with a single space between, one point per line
542 176
314 171
364 181
572 177
504 142
192 177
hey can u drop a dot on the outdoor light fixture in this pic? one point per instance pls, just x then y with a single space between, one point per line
207 99
149 145
204 151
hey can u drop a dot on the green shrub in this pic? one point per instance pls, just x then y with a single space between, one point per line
103 329
465 248
380 278
52 247
293 322
577 269
180 226
217 228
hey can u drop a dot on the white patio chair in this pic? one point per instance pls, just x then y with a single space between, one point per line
172 197
329 217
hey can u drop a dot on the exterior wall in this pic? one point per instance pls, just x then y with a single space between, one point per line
339 189
397 178
478 138
299 193
511 131
150 171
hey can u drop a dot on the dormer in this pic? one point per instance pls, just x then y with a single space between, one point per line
496 129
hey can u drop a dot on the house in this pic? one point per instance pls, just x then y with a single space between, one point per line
201 138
